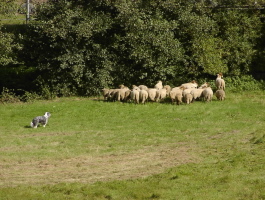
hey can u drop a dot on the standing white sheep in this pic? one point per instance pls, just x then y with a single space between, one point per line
143 95
105 93
168 89
207 94
187 98
152 94
219 82
159 85
192 84
121 94
143 87
134 87
220 94
161 94
187 91
135 96
197 93
178 98
176 95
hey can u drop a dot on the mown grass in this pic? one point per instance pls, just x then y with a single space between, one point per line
216 150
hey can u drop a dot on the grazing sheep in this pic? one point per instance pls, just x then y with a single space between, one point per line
178 98
220 94
134 87
187 91
127 95
123 87
176 95
143 96
152 93
187 98
121 94
207 94
135 96
143 87
159 85
219 82
175 88
192 84
112 96
168 89
105 93
161 94
197 93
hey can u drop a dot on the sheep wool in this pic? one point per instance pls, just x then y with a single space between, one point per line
219 82
159 85
220 94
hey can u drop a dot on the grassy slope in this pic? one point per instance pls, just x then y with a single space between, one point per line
98 150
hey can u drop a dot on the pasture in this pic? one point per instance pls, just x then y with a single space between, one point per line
93 149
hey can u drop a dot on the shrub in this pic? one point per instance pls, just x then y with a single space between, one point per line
243 83
30 97
9 96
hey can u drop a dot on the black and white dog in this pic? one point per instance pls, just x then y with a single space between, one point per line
40 119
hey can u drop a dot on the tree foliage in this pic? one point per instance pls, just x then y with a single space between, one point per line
81 46
7 7
8 46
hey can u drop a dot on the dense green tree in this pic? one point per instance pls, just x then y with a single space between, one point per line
7 49
7 7
239 31
81 46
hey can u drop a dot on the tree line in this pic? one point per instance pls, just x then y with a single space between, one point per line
78 47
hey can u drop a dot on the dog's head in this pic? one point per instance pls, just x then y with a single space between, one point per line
47 114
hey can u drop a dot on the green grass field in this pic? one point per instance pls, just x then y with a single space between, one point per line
93 149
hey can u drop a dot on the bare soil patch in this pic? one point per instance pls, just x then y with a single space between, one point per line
89 169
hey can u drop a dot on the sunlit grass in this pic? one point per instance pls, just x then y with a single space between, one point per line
220 146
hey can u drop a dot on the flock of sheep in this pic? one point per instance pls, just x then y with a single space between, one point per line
187 92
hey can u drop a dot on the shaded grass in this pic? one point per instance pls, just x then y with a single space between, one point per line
224 139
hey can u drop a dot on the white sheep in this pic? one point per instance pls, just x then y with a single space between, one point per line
168 89
105 93
176 95
134 87
159 85
219 82
207 94
197 93
187 91
127 95
220 94
152 94
143 96
187 98
161 94
121 94
143 87
175 88
135 96
123 86
178 98
192 84
112 96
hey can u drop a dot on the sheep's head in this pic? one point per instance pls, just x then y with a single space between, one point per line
220 75
182 88
121 86
204 85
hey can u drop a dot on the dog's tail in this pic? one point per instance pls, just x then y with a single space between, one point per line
31 124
